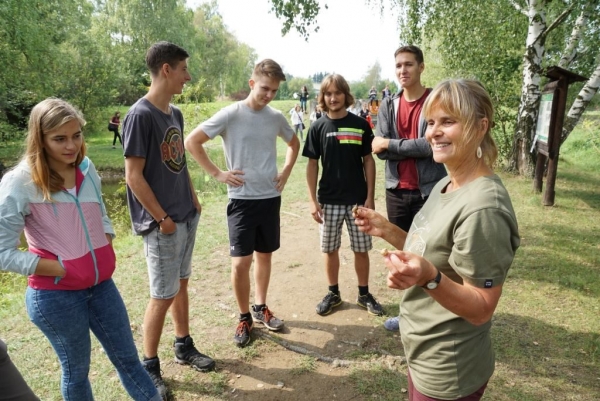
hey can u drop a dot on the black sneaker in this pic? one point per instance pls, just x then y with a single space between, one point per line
187 354
330 301
266 317
152 366
370 304
242 333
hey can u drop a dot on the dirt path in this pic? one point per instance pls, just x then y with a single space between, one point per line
343 342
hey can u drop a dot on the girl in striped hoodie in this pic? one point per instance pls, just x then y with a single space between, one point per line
54 195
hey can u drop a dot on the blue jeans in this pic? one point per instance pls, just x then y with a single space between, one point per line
66 318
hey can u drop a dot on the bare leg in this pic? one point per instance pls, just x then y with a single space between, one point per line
361 266
180 310
262 277
154 320
332 266
240 280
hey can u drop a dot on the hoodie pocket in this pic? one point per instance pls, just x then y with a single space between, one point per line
57 279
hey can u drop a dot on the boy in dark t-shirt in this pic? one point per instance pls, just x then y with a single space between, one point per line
342 141
164 207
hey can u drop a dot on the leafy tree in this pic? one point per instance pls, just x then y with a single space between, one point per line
505 44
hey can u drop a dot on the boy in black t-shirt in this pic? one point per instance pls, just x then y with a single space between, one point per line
342 141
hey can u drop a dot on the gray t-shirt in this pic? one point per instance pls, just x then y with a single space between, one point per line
250 145
158 137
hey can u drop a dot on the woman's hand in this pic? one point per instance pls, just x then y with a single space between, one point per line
370 222
407 269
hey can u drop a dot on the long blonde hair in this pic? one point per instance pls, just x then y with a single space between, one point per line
468 102
46 116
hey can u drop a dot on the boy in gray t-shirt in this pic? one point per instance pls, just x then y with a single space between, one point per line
249 130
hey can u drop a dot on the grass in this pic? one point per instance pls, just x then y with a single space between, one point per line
546 328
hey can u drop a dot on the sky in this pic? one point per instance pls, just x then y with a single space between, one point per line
351 38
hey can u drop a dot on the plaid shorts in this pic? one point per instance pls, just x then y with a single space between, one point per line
331 230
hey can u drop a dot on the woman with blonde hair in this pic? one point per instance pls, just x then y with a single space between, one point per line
54 196
457 253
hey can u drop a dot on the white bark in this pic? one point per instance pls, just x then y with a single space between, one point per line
580 104
530 90
570 52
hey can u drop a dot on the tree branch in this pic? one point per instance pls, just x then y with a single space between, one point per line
518 7
570 51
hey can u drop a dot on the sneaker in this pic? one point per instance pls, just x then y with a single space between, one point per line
392 324
187 354
242 333
370 304
266 317
152 366
330 301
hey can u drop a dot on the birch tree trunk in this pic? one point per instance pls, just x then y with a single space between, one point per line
521 161
580 104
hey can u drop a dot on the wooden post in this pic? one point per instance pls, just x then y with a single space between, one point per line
549 130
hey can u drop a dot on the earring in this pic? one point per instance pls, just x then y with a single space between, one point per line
479 152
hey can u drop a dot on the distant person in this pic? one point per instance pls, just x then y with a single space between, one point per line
364 111
54 196
12 384
454 260
315 115
249 130
410 171
113 125
372 94
304 98
341 142
385 92
298 122
163 206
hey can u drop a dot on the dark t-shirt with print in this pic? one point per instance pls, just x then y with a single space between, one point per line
158 137
341 145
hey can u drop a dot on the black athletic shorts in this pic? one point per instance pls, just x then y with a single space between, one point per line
253 225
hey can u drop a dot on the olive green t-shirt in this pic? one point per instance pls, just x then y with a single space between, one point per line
470 235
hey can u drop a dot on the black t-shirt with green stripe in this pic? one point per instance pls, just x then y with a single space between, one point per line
341 145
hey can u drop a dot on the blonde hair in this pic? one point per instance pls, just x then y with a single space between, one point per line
268 68
341 84
46 116
468 102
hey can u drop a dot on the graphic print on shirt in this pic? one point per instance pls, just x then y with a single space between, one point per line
172 150
415 241
351 136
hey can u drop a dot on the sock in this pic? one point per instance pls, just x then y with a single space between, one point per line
363 290
258 308
245 317
181 340
150 359
335 289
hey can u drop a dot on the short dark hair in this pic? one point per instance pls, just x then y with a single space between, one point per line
411 49
164 52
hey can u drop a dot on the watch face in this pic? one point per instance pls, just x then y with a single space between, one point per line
432 285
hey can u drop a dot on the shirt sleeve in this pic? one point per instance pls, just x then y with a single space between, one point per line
13 209
484 247
135 135
286 132
216 125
